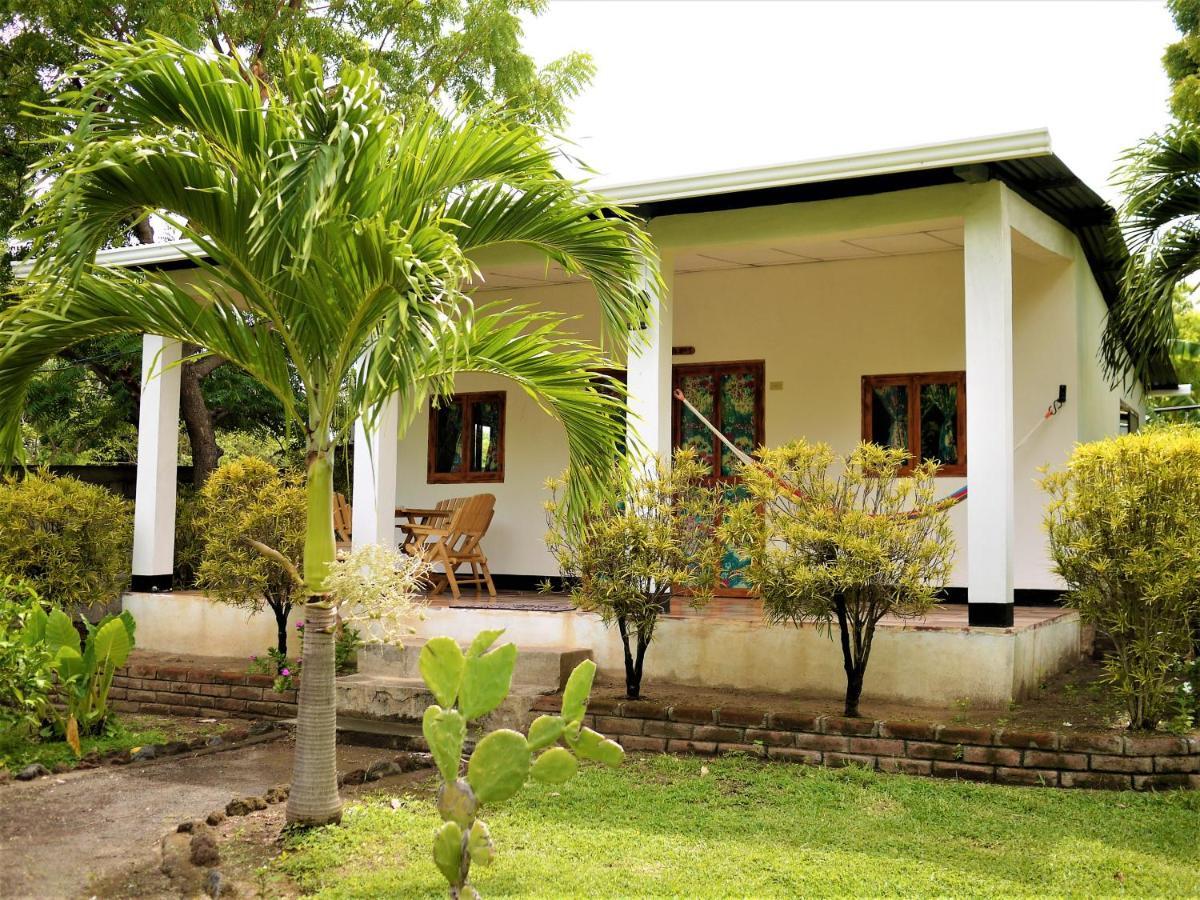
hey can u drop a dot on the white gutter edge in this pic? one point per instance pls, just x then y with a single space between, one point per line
1015 145
136 255
969 151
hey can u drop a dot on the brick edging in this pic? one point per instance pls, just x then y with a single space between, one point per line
198 691
1009 756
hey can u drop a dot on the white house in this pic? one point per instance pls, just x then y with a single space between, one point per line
944 297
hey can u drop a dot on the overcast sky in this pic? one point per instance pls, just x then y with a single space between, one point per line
686 86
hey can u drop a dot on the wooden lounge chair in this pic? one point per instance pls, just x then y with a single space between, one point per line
450 534
342 521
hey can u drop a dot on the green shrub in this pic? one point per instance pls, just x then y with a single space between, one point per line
467 687
25 679
832 540
247 506
651 537
1124 528
83 669
189 538
71 541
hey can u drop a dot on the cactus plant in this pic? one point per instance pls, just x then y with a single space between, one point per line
468 686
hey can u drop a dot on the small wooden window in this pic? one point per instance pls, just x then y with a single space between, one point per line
466 439
924 413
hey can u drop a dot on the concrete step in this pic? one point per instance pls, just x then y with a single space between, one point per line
387 699
546 668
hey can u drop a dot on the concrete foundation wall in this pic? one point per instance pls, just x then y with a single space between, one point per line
189 622
909 664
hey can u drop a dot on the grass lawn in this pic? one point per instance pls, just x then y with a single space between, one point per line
663 826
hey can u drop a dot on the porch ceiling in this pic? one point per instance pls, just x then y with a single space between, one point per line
779 253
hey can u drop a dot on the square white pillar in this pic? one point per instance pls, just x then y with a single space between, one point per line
987 264
157 458
649 370
374 501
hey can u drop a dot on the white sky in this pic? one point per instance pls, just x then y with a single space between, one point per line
686 86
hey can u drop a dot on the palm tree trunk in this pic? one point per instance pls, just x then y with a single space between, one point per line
314 796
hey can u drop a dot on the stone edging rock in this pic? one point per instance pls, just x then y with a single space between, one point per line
233 739
1107 760
191 855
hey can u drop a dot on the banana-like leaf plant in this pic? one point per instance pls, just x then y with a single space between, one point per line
84 670
468 686
335 249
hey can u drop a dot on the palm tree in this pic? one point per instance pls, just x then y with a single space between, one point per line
334 239
1160 221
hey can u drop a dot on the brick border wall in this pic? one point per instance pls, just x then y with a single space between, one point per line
1008 756
191 691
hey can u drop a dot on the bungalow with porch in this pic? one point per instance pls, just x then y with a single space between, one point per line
947 298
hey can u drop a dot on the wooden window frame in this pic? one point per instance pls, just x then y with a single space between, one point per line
913 381
758 366
469 402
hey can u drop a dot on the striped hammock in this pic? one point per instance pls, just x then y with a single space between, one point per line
950 500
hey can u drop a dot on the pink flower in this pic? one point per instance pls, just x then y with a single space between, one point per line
300 626
253 658
285 671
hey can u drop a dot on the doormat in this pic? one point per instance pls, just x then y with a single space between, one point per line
518 605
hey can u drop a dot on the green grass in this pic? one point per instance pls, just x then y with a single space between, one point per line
660 827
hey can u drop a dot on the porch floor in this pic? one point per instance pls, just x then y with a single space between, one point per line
943 617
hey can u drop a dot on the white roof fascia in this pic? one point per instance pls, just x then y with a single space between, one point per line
1015 145
136 255
970 151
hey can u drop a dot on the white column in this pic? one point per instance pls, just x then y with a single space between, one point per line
649 371
157 458
374 501
987 262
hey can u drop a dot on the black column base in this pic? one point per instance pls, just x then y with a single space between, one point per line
990 615
151 584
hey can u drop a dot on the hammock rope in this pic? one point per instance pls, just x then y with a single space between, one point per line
945 503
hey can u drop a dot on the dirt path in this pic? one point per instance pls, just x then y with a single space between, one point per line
59 835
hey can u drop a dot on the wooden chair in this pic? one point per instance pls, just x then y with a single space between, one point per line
342 521
450 534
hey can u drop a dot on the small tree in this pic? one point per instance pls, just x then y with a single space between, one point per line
850 547
252 518
649 538
1125 537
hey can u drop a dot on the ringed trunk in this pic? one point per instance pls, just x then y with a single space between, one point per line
314 796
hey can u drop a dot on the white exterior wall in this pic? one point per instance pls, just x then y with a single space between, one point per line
819 327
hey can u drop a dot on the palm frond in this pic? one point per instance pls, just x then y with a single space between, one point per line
334 238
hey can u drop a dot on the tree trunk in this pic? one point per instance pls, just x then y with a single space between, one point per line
314 796
282 612
633 663
197 418
143 231
853 667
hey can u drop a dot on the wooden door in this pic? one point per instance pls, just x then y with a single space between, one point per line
730 395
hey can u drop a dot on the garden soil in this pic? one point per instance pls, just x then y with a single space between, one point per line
79 833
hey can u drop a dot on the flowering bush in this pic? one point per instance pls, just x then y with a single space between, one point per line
377 589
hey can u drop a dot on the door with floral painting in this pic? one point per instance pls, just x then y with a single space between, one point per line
730 395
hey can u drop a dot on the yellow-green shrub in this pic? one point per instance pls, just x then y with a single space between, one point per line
244 501
832 540
1124 526
650 537
71 541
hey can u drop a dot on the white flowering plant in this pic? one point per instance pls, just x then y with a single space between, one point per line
378 591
